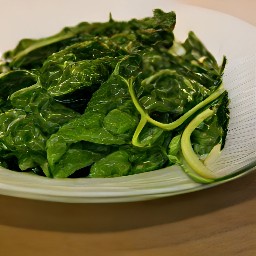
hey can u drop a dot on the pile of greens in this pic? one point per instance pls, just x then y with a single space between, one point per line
112 99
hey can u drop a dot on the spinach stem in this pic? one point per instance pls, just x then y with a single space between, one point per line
187 150
179 121
135 139
170 126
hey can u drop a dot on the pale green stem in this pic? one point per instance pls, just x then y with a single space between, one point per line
135 138
180 120
187 150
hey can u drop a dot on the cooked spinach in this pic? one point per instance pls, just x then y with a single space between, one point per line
111 99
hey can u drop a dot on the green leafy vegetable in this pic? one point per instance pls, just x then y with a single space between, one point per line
111 99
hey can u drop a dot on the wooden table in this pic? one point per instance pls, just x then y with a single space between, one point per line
217 221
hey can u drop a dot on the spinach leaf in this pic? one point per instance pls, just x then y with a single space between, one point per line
22 139
31 53
73 74
79 156
213 130
109 119
26 127
156 30
53 67
113 165
192 80
149 159
193 60
168 91
129 160
47 113
13 81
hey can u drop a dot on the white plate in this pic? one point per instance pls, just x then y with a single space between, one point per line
222 34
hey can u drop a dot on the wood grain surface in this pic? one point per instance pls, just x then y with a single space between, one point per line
216 221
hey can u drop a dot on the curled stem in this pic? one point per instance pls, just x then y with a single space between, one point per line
187 150
145 117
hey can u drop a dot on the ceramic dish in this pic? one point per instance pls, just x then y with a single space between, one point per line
215 29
